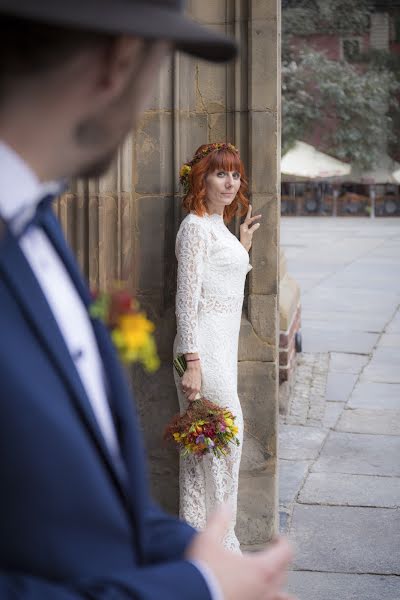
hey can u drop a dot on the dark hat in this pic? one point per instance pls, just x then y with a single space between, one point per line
150 19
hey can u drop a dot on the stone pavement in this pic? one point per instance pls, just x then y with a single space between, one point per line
340 441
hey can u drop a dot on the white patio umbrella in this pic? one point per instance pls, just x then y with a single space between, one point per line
384 172
306 162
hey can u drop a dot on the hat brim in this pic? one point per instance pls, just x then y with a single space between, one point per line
143 19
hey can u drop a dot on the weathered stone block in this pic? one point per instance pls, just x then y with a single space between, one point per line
211 88
153 212
263 49
197 125
264 159
256 522
258 393
153 154
263 317
289 300
251 347
207 11
261 10
161 96
217 132
186 77
264 253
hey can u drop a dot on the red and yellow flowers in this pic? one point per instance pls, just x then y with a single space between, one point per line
205 427
130 329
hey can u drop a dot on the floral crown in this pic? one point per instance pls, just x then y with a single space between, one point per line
186 168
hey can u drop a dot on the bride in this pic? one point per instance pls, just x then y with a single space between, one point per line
212 268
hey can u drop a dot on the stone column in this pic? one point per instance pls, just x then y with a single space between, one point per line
258 366
124 226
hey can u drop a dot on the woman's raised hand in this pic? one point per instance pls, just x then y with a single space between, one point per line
247 229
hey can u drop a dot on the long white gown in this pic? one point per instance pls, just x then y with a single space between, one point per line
212 268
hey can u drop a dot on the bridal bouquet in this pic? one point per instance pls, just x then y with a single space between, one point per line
205 427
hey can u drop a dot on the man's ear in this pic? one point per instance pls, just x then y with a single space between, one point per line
118 61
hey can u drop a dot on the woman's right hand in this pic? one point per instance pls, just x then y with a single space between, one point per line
191 380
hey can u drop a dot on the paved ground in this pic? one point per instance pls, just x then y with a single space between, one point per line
340 442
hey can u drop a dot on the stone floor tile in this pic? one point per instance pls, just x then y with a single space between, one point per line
375 421
333 410
300 443
348 298
384 366
342 489
338 586
356 321
360 454
389 340
335 340
345 362
375 395
291 477
346 539
339 386
394 325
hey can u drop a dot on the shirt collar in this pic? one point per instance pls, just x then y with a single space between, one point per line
20 189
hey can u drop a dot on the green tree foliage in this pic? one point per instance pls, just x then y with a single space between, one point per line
305 17
356 103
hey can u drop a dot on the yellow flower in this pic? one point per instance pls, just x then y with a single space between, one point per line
185 170
134 340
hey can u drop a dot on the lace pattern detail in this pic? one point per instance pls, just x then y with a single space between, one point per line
220 304
191 253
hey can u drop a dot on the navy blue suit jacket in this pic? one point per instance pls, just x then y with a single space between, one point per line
70 526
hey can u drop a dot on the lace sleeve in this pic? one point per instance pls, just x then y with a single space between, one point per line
190 252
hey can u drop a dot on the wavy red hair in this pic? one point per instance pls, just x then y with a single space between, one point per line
224 159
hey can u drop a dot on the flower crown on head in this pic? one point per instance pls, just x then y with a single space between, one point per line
186 168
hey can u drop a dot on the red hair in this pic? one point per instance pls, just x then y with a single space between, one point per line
224 159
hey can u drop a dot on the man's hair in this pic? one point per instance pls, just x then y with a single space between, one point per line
31 49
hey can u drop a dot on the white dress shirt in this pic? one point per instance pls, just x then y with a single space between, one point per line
20 193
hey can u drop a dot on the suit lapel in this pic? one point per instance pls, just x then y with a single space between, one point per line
122 405
19 277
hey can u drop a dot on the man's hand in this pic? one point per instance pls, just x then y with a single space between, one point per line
258 576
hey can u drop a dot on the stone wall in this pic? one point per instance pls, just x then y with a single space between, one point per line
124 226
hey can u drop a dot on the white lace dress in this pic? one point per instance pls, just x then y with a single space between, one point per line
212 268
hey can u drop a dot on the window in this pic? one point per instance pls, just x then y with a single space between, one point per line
351 49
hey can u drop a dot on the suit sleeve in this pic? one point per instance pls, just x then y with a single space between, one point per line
166 537
168 581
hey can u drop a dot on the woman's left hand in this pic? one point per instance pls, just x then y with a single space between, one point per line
247 229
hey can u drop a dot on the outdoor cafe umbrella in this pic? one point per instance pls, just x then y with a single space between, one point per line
304 161
396 175
383 172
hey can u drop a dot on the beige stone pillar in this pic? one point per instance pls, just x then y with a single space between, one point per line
124 226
